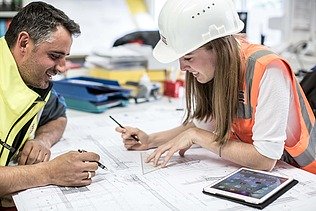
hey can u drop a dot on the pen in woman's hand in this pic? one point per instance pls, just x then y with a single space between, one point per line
99 164
133 136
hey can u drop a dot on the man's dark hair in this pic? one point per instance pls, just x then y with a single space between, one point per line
39 20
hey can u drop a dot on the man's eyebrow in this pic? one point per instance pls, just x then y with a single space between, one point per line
60 52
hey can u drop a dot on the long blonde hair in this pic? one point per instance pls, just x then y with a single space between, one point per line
217 99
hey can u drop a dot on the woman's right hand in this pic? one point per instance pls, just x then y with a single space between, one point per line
129 141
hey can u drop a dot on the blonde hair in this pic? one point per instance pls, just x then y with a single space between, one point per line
217 99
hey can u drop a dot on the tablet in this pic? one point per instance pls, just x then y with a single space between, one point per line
251 186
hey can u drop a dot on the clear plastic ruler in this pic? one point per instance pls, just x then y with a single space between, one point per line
147 167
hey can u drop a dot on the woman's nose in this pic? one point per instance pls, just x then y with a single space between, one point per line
183 65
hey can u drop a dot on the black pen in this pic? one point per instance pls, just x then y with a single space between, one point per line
133 136
99 164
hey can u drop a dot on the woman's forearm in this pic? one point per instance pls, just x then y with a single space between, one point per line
159 138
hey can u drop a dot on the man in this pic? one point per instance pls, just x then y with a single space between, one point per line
33 50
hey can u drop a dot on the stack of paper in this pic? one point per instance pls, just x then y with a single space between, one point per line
119 57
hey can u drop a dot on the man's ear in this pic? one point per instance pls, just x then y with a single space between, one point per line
23 41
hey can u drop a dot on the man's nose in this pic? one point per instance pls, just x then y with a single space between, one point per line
61 66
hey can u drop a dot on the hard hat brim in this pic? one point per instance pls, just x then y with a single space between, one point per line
165 54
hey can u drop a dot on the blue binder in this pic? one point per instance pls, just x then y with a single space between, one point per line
92 94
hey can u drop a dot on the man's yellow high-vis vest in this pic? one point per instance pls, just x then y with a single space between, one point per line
19 105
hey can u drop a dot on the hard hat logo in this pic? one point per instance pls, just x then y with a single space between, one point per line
188 25
214 32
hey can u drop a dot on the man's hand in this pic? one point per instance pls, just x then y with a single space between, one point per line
34 151
73 168
38 149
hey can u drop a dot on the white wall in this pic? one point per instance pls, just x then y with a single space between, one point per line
101 22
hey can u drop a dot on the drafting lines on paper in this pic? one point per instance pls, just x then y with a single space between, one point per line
120 165
175 161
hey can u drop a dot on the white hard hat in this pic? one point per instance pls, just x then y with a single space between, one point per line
185 25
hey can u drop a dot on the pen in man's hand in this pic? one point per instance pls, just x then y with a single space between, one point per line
99 164
133 136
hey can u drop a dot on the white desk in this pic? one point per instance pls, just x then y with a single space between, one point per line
131 185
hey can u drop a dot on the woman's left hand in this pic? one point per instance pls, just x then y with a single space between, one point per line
181 142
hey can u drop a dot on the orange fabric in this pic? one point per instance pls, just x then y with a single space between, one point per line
310 168
242 127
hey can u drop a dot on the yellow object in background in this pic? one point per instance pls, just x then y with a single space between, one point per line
136 6
156 75
123 75
120 75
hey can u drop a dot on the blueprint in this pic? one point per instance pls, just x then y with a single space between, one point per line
131 184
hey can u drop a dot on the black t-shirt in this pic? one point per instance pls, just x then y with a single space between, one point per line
54 108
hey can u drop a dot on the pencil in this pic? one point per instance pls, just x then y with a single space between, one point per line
133 136
99 164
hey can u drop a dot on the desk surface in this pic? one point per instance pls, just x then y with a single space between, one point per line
130 184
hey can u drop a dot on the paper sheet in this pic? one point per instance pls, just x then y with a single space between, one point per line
125 186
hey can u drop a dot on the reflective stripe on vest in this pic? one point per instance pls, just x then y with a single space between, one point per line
305 151
308 155
244 109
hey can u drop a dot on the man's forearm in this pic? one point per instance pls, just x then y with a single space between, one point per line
16 178
52 131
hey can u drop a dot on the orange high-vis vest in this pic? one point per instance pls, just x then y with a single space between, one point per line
257 58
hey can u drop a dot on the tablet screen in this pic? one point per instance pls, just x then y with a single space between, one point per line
249 185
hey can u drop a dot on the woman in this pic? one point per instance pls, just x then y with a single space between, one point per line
242 100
